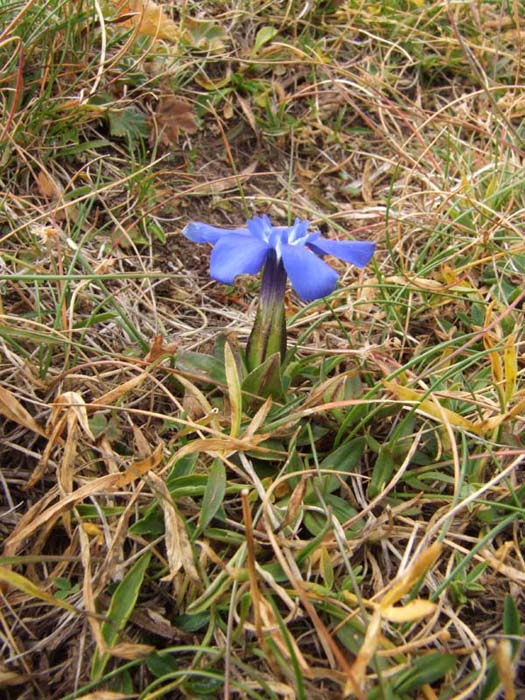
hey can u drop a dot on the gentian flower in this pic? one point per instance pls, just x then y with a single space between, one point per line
283 251
245 250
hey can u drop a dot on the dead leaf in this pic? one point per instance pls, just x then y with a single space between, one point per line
192 407
146 18
155 623
11 678
214 445
48 187
29 525
12 409
114 563
178 546
230 182
503 656
213 84
158 349
87 590
428 404
171 115
142 446
141 466
365 654
21 583
75 405
111 396
200 406
506 570
287 645
110 458
259 418
409 577
68 410
413 610
53 191
248 112
54 439
130 652
105 695
295 503
93 530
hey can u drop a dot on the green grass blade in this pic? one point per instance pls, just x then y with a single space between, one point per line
213 495
122 605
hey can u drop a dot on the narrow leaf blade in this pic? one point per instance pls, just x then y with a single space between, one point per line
122 605
213 495
234 390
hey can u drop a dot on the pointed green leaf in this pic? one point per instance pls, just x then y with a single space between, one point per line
161 664
122 605
234 390
383 469
344 459
11 578
315 522
265 380
511 622
426 669
213 496
203 366
264 35
492 682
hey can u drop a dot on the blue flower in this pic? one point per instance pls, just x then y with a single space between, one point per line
246 250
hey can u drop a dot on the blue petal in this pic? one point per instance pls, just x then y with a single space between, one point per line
260 227
358 253
298 230
236 254
310 276
203 233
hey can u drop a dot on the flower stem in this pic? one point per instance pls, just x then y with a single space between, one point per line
268 335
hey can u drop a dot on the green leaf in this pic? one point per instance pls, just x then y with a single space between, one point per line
123 684
183 467
203 366
152 523
344 459
191 623
492 682
65 588
213 496
425 669
383 469
234 389
203 686
511 622
313 544
122 605
265 380
128 123
218 585
315 522
161 665
193 485
264 35
226 536
205 35
98 424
